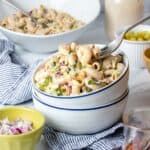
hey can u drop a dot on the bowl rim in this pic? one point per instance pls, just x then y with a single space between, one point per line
58 34
81 95
146 58
24 109
116 101
134 42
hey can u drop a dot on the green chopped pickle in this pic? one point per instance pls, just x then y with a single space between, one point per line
54 64
63 90
71 51
60 91
74 27
79 65
55 69
42 86
103 84
91 82
48 79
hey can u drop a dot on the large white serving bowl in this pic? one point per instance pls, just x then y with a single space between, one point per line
84 10
82 121
92 99
135 49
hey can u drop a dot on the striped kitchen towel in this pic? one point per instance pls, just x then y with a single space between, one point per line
15 76
110 139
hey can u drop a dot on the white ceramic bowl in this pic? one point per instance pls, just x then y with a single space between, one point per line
82 121
134 49
85 10
92 99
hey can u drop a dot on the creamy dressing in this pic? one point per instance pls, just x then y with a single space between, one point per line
119 13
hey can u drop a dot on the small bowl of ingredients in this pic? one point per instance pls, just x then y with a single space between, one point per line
134 44
146 57
15 127
20 128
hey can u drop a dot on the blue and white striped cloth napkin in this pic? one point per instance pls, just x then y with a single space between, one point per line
15 88
110 139
15 76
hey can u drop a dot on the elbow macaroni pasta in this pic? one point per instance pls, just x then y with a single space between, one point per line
49 21
77 69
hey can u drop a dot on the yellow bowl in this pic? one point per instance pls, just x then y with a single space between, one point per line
25 141
147 58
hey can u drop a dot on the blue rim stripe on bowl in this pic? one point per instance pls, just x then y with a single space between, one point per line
85 109
74 97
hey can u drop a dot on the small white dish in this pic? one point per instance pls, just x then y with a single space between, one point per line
82 121
134 49
92 99
85 10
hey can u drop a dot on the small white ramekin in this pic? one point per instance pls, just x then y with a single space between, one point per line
134 49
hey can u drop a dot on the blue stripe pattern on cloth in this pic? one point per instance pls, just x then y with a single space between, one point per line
109 139
15 77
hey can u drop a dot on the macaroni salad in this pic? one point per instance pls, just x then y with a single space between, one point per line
77 69
49 21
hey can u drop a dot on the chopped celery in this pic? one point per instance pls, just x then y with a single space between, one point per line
91 81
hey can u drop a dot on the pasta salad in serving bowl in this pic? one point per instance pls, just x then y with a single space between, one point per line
49 21
77 72
57 22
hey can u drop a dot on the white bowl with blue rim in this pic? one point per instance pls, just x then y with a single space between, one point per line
85 10
92 99
82 121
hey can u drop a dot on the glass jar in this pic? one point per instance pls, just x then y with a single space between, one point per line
137 129
120 13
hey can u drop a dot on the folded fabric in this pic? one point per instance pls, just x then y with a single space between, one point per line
110 139
15 76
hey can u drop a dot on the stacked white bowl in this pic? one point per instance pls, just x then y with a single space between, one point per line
86 113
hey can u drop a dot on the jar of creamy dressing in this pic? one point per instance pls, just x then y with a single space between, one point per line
120 13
